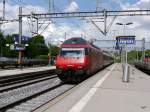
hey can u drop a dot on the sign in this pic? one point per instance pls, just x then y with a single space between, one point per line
24 39
18 47
124 40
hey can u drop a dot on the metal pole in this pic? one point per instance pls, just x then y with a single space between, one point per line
126 59
49 45
125 69
37 26
1 48
31 17
126 55
3 18
137 55
143 49
124 48
20 34
20 24
105 22
0 27
124 26
3 9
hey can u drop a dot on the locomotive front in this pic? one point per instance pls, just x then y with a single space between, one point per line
72 62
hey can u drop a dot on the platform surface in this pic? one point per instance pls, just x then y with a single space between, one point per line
24 70
105 92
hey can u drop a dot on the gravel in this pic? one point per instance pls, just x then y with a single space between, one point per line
40 100
12 96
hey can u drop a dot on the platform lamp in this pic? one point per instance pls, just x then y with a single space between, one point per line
125 66
124 26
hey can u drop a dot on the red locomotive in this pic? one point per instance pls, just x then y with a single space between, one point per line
147 58
78 59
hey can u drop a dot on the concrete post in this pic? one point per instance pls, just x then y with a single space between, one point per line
126 73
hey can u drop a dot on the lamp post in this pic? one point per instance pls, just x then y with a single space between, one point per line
125 65
124 27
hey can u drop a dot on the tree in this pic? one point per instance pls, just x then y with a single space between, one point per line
36 47
8 52
133 55
2 44
147 52
54 50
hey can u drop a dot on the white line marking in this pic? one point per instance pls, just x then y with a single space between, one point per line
84 100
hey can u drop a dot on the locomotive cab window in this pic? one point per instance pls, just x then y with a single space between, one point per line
87 50
72 52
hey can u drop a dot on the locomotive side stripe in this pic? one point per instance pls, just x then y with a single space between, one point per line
84 100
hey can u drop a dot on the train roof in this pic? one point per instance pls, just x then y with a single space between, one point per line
78 42
107 53
75 40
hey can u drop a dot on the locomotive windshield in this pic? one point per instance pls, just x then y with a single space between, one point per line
72 52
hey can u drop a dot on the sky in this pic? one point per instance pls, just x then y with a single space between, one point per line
77 27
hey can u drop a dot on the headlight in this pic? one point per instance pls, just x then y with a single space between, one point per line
80 67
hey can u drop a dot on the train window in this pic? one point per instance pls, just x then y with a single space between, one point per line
87 50
72 52
75 41
147 56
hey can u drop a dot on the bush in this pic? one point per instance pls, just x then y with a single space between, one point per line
42 57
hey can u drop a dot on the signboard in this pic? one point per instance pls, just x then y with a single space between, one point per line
24 39
124 40
18 47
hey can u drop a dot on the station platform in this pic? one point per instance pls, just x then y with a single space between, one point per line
5 73
105 92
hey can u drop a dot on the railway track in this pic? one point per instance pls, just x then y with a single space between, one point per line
22 83
29 97
143 66
23 67
14 79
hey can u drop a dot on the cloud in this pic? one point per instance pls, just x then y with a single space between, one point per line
73 6
140 26
12 13
56 33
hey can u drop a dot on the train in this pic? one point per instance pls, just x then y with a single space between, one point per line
79 59
147 58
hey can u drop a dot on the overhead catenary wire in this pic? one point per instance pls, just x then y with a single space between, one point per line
76 24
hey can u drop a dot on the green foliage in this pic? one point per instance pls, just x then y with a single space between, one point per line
2 39
2 42
8 52
2 45
9 39
36 47
136 55
147 52
54 50
42 57
132 56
